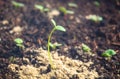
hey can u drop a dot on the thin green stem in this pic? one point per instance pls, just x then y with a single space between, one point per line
48 45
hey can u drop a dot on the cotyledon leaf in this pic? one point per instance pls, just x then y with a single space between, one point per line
60 28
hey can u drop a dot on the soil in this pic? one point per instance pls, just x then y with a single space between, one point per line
34 26
64 67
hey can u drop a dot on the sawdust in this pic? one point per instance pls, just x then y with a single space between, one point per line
66 68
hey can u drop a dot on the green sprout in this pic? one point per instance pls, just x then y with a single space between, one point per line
11 59
72 5
85 48
108 53
41 8
54 45
49 44
96 3
65 11
17 4
95 18
19 42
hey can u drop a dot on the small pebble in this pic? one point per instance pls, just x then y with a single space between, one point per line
4 22
16 29
53 13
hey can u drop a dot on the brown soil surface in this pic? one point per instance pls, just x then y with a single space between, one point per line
34 27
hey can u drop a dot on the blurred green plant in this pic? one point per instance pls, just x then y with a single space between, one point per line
49 44
17 4
41 8
19 42
108 53
96 3
85 48
71 4
54 45
11 59
65 11
94 18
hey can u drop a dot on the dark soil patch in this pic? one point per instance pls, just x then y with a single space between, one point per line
36 26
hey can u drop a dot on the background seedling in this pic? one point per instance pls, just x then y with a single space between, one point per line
108 53
19 42
49 44
41 8
96 3
11 59
72 5
85 48
65 11
94 18
17 4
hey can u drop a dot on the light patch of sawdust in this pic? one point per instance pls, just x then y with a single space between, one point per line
66 68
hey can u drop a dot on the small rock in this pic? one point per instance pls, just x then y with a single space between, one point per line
71 17
77 20
26 60
18 20
16 29
48 5
13 67
4 22
53 13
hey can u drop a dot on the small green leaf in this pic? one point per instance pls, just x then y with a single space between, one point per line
95 18
17 4
108 53
18 41
57 45
11 59
19 45
54 45
96 3
72 4
53 22
70 12
63 10
85 48
46 9
40 7
60 28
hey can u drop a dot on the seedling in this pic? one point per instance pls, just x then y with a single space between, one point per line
108 53
41 8
49 44
19 42
54 45
72 5
85 48
96 3
11 59
17 4
94 18
65 11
